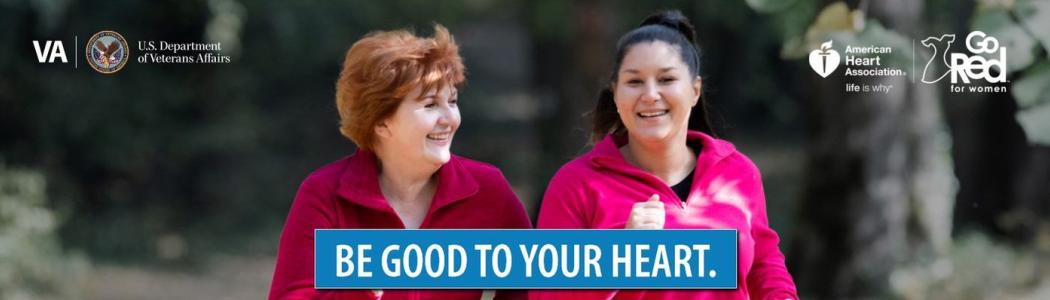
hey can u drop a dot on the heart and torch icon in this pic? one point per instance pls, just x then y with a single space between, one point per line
824 60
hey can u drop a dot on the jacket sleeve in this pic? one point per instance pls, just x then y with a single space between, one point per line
293 277
516 219
564 204
768 277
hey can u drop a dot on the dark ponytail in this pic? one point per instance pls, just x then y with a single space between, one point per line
673 28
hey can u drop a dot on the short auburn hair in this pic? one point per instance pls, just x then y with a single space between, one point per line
382 68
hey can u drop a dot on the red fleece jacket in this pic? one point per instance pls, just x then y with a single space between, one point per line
346 194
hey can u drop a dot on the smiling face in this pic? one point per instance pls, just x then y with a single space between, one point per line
654 93
422 127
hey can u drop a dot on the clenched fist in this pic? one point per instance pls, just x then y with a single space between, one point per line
647 215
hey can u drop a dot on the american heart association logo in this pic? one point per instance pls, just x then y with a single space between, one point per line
824 60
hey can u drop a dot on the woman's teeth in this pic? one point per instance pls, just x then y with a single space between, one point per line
651 114
439 136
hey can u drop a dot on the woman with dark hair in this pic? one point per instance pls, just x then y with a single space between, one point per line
397 99
656 164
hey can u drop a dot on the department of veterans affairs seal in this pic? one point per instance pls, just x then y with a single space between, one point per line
107 52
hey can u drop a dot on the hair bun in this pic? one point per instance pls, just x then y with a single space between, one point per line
673 19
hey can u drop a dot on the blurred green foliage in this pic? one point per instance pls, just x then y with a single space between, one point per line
33 264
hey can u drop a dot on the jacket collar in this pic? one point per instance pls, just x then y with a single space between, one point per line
359 183
606 154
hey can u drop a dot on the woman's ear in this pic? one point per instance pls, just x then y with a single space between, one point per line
382 130
697 88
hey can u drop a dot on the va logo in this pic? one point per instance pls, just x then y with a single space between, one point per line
107 52
824 60
962 66
51 50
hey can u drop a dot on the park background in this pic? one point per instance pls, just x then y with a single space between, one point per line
173 181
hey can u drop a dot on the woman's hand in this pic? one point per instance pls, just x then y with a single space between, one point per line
647 215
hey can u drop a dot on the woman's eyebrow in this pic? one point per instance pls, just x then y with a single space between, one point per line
662 70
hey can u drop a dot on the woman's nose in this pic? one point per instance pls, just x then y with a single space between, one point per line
446 116
651 92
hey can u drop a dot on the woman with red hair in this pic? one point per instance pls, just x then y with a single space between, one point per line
397 97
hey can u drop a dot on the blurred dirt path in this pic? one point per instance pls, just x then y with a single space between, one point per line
224 278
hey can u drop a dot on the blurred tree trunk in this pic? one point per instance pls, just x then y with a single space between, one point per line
880 184
573 56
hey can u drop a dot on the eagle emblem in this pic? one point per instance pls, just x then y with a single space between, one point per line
107 52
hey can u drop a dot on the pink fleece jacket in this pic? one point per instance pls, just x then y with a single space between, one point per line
598 189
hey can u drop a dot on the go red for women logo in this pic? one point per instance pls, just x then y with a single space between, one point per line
988 63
